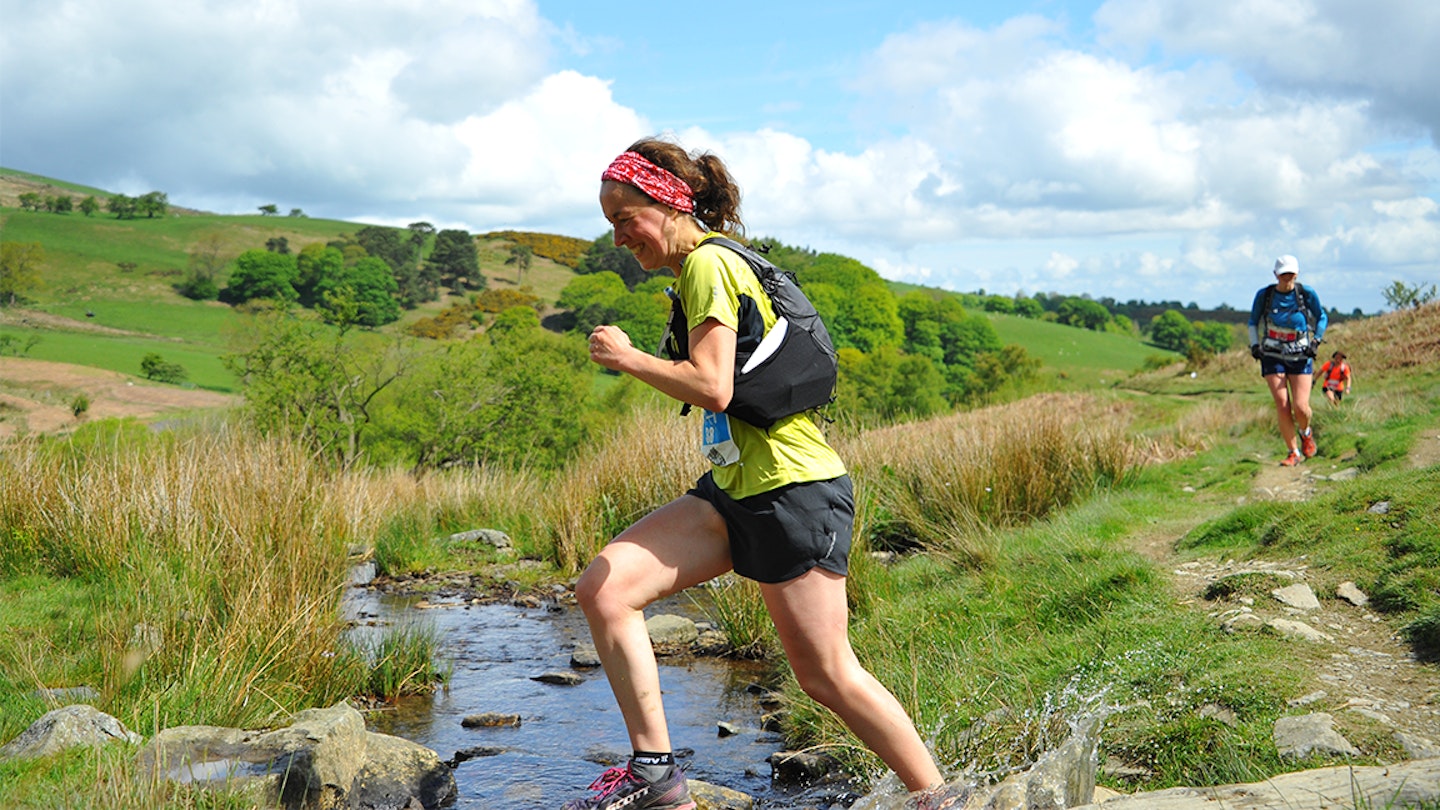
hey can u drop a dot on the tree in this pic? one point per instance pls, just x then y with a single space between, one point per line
155 367
262 274
387 244
1083 313
60 204
604 256
153 204
1171 330
1400 295
416 281
314 383
509 398
278 244
297 213
1212 338
89 205
520 256
31 201
201 282
362 293
269 210
122 206
19 270
313 266
456 262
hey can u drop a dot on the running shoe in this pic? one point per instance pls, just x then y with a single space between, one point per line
1307 443
1292 459
945 797
620 789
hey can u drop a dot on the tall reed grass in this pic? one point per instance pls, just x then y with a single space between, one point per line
216 559
943 484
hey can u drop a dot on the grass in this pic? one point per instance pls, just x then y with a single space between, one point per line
1094 358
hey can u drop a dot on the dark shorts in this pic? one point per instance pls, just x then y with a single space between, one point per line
778 535
1274 365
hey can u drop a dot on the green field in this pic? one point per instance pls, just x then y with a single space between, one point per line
1103 356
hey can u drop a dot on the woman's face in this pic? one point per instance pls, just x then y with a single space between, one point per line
642 226
1285 282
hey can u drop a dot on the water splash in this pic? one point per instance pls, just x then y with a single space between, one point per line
1062 775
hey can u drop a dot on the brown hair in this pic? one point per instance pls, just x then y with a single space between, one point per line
717 197
1338 356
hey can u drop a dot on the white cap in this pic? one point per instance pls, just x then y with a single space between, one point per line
1287 264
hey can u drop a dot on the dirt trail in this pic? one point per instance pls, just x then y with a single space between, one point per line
36 396
1370 678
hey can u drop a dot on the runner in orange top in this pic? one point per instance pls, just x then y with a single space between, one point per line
1336 376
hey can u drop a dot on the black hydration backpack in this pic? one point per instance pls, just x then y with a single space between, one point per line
790 369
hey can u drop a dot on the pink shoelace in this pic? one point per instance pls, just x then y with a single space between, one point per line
612 779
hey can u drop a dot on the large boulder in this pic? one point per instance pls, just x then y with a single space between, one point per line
324 760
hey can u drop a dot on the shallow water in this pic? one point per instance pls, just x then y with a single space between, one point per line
496 651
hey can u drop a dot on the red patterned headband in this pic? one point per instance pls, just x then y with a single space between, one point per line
633 169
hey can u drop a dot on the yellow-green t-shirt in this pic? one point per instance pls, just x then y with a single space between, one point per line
793 449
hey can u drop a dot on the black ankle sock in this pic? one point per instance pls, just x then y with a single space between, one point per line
651 765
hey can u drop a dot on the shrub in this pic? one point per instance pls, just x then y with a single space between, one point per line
155 367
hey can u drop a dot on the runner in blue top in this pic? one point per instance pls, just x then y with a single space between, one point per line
1287 324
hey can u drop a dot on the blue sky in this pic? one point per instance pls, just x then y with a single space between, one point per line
1126 148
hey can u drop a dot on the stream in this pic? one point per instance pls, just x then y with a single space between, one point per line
496 651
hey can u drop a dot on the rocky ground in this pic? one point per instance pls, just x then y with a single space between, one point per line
1365 669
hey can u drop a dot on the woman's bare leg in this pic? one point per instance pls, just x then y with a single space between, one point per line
682 543
1281 394
1300 399
812 618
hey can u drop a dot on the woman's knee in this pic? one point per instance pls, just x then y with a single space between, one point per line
595 591
828 686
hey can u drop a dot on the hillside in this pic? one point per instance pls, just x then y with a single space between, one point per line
107 296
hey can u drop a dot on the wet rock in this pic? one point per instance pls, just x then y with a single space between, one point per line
800 767
491 720
1350 593
1298 596
667 630
476 752
559 678
772 721
65 728
714 797
584 657
726 729
1299 737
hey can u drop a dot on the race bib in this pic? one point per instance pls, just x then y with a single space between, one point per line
716 444
1295 347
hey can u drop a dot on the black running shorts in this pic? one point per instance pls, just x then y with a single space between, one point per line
778 535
